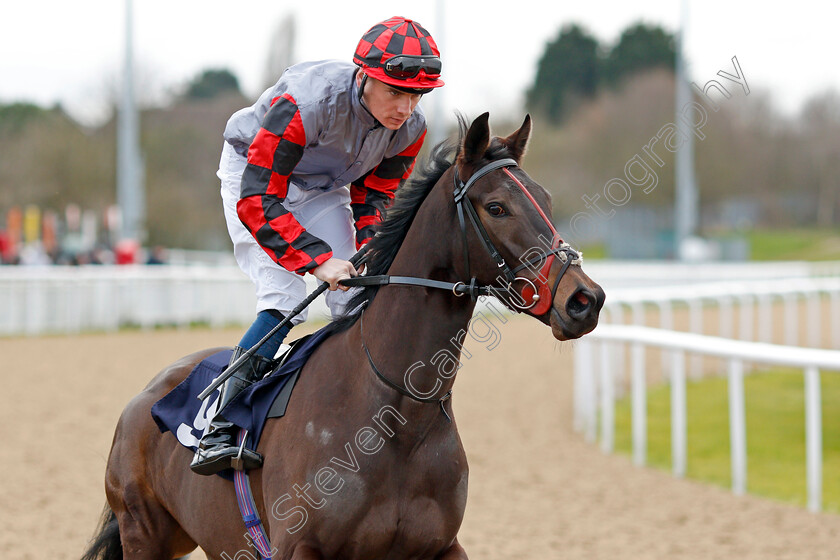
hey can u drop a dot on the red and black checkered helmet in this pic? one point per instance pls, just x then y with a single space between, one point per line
401 53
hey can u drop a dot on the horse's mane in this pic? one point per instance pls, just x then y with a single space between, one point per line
390 233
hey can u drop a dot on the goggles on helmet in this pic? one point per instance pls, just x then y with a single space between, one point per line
404 67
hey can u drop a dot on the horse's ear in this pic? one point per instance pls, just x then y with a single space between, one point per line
518 141
476 141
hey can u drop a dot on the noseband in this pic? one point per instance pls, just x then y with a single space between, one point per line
536 296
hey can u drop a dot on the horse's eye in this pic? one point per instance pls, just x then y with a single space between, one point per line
496 209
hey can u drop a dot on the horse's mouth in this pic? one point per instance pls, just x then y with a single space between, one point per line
569 329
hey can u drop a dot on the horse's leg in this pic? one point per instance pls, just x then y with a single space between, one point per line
147 530
454 552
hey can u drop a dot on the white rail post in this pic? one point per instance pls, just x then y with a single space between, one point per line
639 404
695 308
814 321
585 365
637 308
737 427
666 322
765 318
666 315
726 317
813 437
791 320
607 399
745 327
678 413
637 317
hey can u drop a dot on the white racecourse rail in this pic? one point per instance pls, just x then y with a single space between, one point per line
58 299
746 295
595 390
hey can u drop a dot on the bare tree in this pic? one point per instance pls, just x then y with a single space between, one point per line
821 131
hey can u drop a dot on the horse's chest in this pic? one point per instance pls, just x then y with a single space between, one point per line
415 513
392 504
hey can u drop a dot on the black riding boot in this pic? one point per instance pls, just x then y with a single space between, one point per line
218 447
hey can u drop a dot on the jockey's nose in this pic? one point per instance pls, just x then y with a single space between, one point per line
404 105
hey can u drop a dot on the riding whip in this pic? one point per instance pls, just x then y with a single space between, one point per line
355 260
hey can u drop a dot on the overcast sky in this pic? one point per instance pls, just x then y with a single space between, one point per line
71 52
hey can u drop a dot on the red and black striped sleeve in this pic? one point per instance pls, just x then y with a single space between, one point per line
372 193
273 155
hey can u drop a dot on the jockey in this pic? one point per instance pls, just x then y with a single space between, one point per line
306 172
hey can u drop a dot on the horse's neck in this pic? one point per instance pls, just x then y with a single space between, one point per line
420 330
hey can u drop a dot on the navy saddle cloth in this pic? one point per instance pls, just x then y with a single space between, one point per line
181 413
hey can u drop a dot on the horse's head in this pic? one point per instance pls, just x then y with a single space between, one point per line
502 210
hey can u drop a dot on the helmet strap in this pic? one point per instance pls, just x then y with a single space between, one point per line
362 101
362 85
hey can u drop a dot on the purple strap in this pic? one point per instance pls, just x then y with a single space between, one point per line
248 509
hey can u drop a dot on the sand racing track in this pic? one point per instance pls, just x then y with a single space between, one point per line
537 490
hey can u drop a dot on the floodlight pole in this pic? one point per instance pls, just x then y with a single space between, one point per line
685 214
437 124
130 192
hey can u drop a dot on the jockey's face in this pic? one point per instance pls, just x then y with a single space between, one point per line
388 105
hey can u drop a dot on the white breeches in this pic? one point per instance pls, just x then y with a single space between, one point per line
325 214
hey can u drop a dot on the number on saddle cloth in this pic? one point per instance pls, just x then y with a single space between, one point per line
180 412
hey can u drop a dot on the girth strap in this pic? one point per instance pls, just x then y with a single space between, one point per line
248 509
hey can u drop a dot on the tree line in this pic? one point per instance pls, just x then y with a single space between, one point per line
594 108
575 66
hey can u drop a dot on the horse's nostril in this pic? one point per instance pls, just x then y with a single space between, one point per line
579 304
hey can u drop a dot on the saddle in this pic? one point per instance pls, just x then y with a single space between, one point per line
181 413
281 401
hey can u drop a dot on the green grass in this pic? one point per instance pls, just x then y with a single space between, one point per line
594 251
797 244
775 415
768 245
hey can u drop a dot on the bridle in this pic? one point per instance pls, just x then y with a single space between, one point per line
536 296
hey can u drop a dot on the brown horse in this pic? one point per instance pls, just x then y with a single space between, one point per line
366 462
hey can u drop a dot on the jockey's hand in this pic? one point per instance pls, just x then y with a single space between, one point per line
333 270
